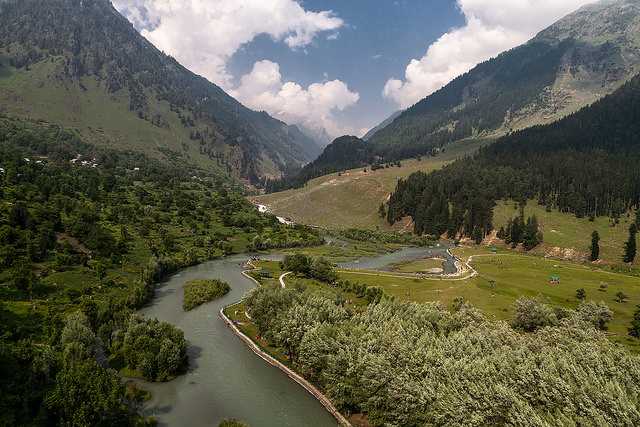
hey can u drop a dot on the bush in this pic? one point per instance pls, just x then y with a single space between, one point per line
156 349
198 292
232 423
531 315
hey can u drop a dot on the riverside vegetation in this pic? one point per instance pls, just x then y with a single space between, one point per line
81 248
379 358
198 292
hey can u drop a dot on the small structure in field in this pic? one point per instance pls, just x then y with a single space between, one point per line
554 280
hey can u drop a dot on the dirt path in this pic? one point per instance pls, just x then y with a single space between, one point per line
282 284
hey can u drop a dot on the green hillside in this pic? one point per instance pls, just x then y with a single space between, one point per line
577 60
584 165
84 66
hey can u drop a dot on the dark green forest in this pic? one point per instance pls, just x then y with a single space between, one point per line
585 164
346 152
84 236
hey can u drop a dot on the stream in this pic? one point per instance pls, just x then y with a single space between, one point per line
225 379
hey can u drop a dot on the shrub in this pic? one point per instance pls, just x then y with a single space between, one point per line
198 292
156 349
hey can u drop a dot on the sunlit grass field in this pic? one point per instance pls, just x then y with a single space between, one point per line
506 276
566 231
351 199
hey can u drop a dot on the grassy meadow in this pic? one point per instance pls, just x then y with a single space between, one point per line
505 276
351 199
563 230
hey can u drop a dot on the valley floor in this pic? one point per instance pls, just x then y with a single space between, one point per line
506 275
351 198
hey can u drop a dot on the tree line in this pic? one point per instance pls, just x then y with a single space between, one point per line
420 364
585 164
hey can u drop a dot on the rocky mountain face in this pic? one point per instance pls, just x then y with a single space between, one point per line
79 63
584 56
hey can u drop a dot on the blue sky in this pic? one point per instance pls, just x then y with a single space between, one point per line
337 66
379 39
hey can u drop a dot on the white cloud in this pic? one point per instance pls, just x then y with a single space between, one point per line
204 34
492 26
312 107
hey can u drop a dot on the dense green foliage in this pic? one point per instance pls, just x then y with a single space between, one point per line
585 164
96 239
418 364
318 268
89 41
346 152
157 350
518 231
383 237
198 292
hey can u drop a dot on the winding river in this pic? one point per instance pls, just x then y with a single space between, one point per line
225 379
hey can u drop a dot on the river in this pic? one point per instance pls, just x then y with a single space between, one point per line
385 262
225 379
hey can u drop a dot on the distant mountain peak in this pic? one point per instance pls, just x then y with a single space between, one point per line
576 61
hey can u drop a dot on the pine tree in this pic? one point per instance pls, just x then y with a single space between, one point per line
477 235
634 330
530 236
630 247
595 246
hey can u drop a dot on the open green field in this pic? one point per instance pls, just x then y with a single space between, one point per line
351 199
505 276
566 231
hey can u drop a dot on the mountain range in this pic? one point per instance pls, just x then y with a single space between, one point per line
81 64
576 61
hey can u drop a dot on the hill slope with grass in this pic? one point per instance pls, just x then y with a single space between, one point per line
351 198
585 165
576 61
83 65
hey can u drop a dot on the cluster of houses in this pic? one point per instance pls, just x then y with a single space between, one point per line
84 163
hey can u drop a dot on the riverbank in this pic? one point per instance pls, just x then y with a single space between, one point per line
257 350
217 385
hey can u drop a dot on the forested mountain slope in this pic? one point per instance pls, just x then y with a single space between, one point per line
343 153
585 164
576 61
83 65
